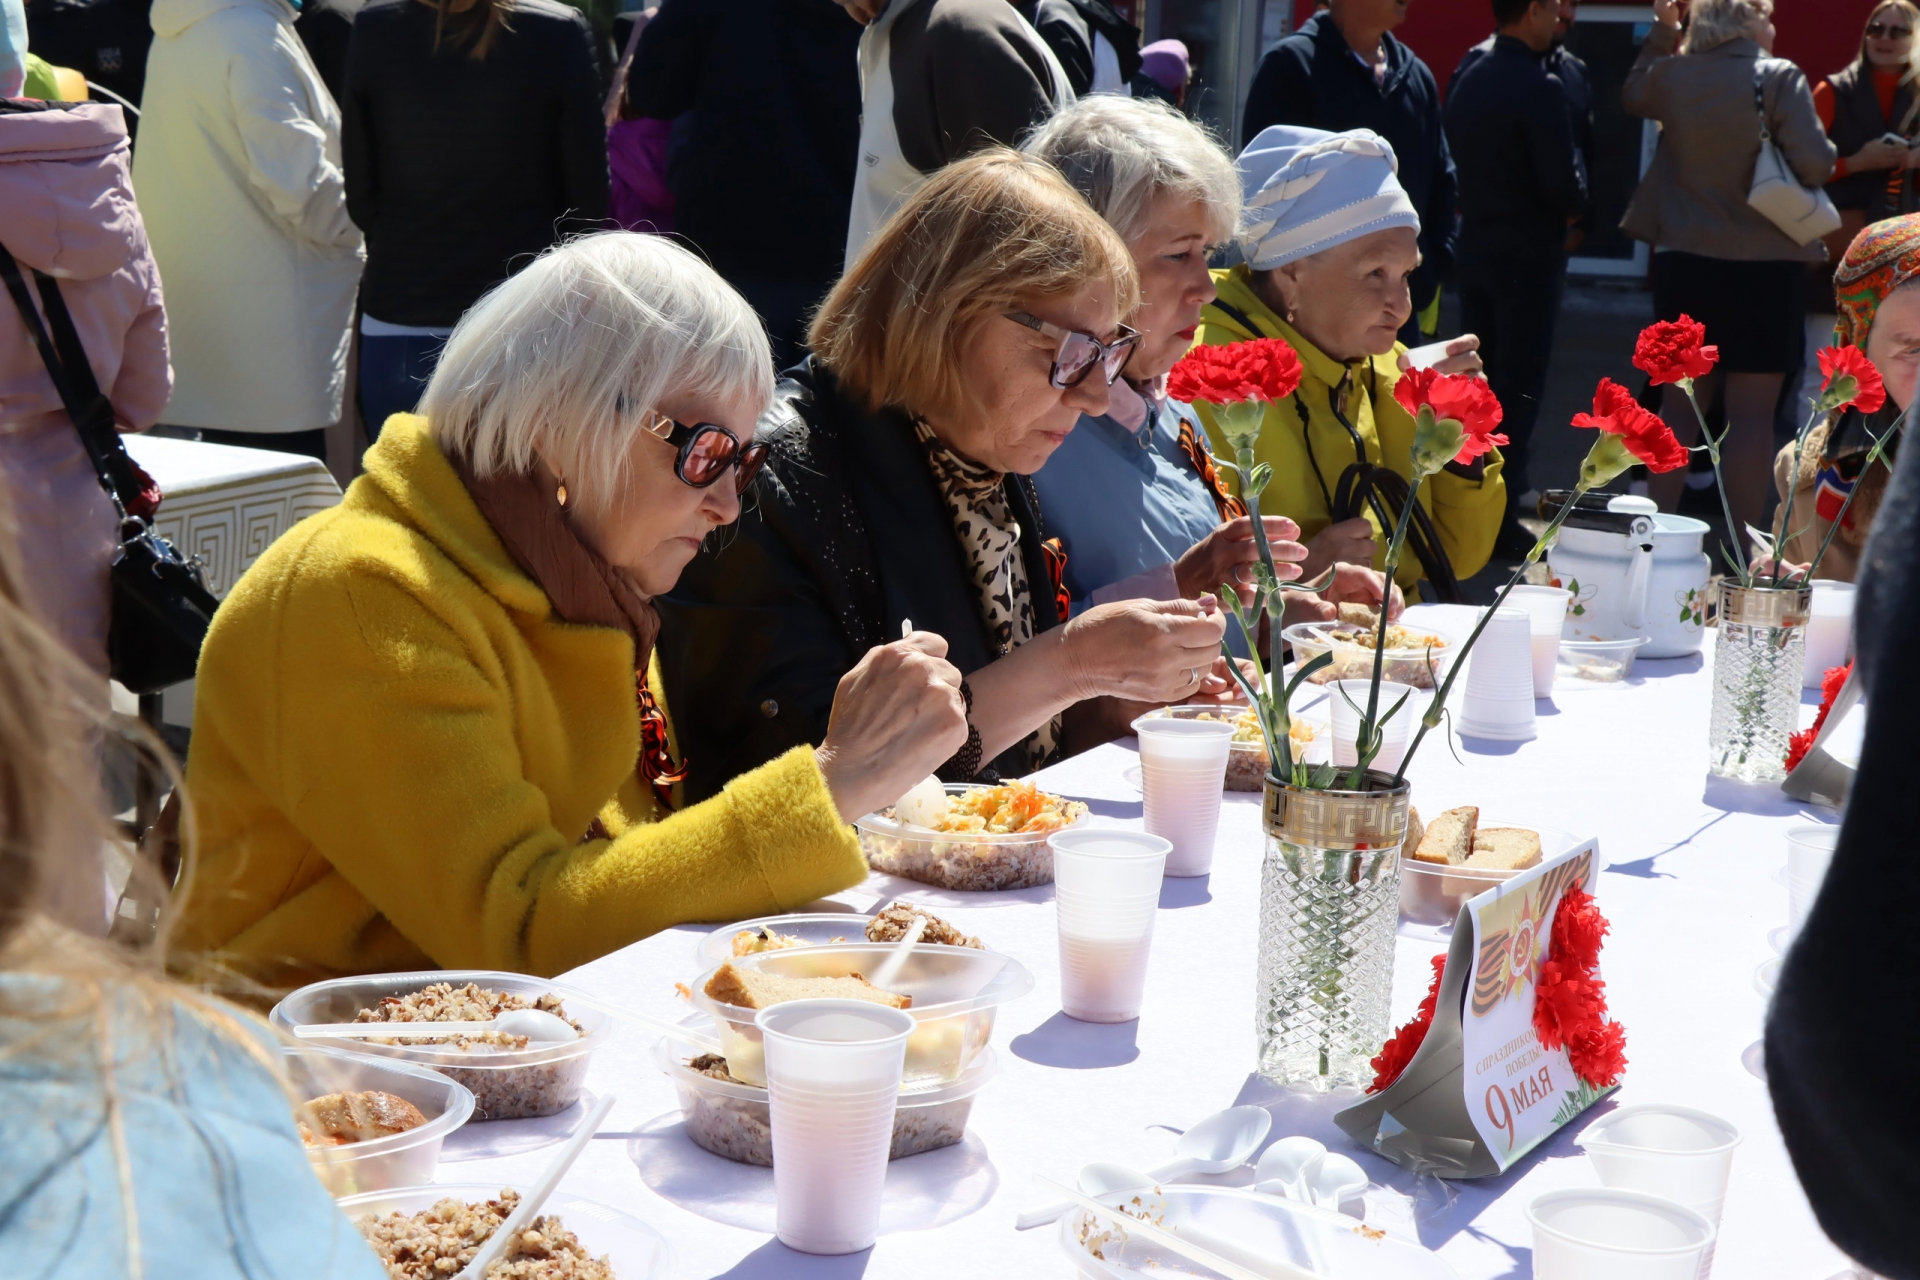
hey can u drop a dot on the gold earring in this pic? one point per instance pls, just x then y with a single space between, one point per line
560 495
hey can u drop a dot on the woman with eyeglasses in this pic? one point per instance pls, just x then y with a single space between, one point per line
1134 493
957 353
428 731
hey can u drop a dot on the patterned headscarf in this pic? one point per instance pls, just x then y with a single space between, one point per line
1884 256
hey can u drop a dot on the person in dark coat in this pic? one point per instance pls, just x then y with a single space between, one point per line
1097 47
1343 70
774 88
1522 183
473 140
326 28
1846 988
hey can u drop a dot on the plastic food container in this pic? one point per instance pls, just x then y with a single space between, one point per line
633 1249
958 859
1597 661
398 1160
814 930
1355 661
1432 892
956 992
731 1120
506 1084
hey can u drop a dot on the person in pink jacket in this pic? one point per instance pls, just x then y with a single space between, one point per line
68 196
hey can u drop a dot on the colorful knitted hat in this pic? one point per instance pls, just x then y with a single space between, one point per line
1884 256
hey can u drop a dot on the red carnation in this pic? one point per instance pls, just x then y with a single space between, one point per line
1798 744
1645 436
1566 1001
1869 390
1674 351
1598 1055
1466 400
1578 930
1259 369
1397 1052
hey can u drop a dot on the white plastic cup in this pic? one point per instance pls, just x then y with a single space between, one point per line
1183 769
1106 893
1499 699
1546 609
1809 854
1609 1234
833 1083
1348 699
1677 1153
1829 628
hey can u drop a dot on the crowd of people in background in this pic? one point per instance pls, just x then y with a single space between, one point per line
911 276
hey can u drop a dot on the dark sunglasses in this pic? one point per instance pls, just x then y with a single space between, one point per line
706 450
1882 31
1080 352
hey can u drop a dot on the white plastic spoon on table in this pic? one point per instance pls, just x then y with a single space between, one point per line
1302 1169
535 1198
1205 1248
883 977
536 1025
1223 1141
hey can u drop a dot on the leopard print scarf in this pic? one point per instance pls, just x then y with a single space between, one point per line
976 498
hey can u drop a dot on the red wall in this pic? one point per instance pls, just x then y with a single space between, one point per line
1821 35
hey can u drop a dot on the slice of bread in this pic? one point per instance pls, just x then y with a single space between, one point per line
1449 837
1416 830
1505 848
746 989
1359 615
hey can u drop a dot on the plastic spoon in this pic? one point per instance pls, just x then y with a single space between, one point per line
1230 1260
534 1200
659 1026
1338 1181
1096 1179
1221 1142
536 1025
883 977
1288 1168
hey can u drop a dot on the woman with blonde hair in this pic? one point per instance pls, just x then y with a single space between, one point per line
428 731
949 363
147 1129
1871 113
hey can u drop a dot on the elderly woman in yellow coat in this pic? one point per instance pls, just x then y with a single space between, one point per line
1330 239
419 738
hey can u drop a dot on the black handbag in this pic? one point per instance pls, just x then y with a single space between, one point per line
161 605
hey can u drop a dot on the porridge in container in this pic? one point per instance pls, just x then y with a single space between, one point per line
509 1076
1247 761
971 837
731 1119
430 1232
1416 656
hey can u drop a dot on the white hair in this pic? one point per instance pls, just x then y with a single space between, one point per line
1121 152
1712 23
573 353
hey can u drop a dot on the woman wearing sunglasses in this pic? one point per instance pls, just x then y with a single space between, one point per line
953 358
428 731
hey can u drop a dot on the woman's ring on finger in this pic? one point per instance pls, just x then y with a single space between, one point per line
1193 675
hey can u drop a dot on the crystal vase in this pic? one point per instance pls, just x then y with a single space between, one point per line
1329 902
1758 657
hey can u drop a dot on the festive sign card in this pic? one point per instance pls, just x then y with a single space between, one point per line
1481 1090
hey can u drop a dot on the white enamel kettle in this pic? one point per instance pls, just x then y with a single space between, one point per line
1632 571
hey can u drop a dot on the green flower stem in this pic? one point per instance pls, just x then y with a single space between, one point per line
1720 482
1539 549
1874 455
1366 743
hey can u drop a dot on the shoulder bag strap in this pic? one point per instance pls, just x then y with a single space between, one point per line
73 379
1760 103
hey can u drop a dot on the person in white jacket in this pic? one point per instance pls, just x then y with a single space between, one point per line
239 176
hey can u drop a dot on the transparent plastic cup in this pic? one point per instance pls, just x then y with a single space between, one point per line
1677 1153
833 1084
1829 628
1546 609
1348 698
1809 854
1608 1234
1183 767
1106 895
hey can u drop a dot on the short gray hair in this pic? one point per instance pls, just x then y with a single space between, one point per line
1121 152
1712 23
574 352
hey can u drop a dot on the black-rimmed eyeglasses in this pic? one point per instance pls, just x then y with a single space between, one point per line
706 450
1080 352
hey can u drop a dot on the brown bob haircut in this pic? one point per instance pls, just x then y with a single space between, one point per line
992 233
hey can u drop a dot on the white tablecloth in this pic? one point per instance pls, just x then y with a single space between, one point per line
1689 883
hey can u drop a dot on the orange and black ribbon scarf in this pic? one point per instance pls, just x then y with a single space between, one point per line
1231 508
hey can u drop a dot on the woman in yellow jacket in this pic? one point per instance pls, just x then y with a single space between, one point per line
1330 240
419 738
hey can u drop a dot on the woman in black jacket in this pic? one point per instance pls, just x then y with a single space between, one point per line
473 140
981 321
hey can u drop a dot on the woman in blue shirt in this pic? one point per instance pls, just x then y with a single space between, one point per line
1133 494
